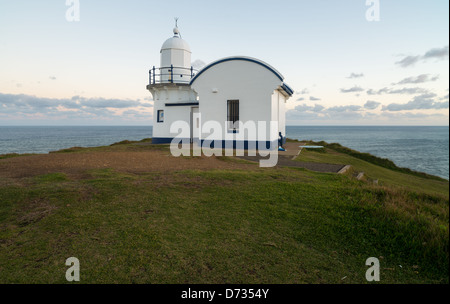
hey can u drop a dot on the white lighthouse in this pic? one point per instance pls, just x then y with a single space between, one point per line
173 97
228 91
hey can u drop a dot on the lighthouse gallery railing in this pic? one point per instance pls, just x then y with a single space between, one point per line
172 74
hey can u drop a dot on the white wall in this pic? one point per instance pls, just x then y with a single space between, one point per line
252 84
177 58
171 114
170 94
279 111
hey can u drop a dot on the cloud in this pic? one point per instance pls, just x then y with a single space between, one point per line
352 90
340 109
408 61
303 92
354 75
359 117
418 79
136 114
385 90
407 91
321 109
304 108
198 64
301 99
107 103
52 78
23 101
355 114
437 53
312 98
146 105
320 113
78 107
421 102
318 108
98 112
396 116
294 115
372 105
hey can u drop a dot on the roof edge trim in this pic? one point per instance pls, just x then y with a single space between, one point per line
287 89
250 59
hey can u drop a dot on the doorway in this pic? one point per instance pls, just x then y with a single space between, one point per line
195 124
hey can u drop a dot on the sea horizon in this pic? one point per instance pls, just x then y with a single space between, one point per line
287 125
420 148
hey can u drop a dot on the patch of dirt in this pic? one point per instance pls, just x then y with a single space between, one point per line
75 165
32 212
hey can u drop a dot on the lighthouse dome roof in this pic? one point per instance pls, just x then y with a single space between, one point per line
176 42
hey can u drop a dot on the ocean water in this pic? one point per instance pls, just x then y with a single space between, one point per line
46 139
424 149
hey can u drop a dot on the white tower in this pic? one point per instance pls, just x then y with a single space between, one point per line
169 84
176 59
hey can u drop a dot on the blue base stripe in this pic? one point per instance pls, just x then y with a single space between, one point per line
266 145
161 140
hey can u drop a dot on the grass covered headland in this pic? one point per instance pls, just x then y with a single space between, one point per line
132 213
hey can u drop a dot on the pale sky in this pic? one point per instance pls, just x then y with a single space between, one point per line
344 69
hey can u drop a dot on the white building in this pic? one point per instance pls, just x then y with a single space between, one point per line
226 91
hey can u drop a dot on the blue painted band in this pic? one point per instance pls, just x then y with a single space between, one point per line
222 144
246 144
161 140
287 89
182 104
238 58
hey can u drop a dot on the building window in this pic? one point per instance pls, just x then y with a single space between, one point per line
160 116
233 115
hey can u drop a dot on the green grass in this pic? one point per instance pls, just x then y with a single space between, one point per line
51 178
125 145
393 178
268 226
382 162
274 225
11 155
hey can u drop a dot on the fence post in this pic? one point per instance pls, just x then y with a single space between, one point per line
154 75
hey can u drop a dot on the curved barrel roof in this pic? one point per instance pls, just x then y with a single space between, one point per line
250 59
